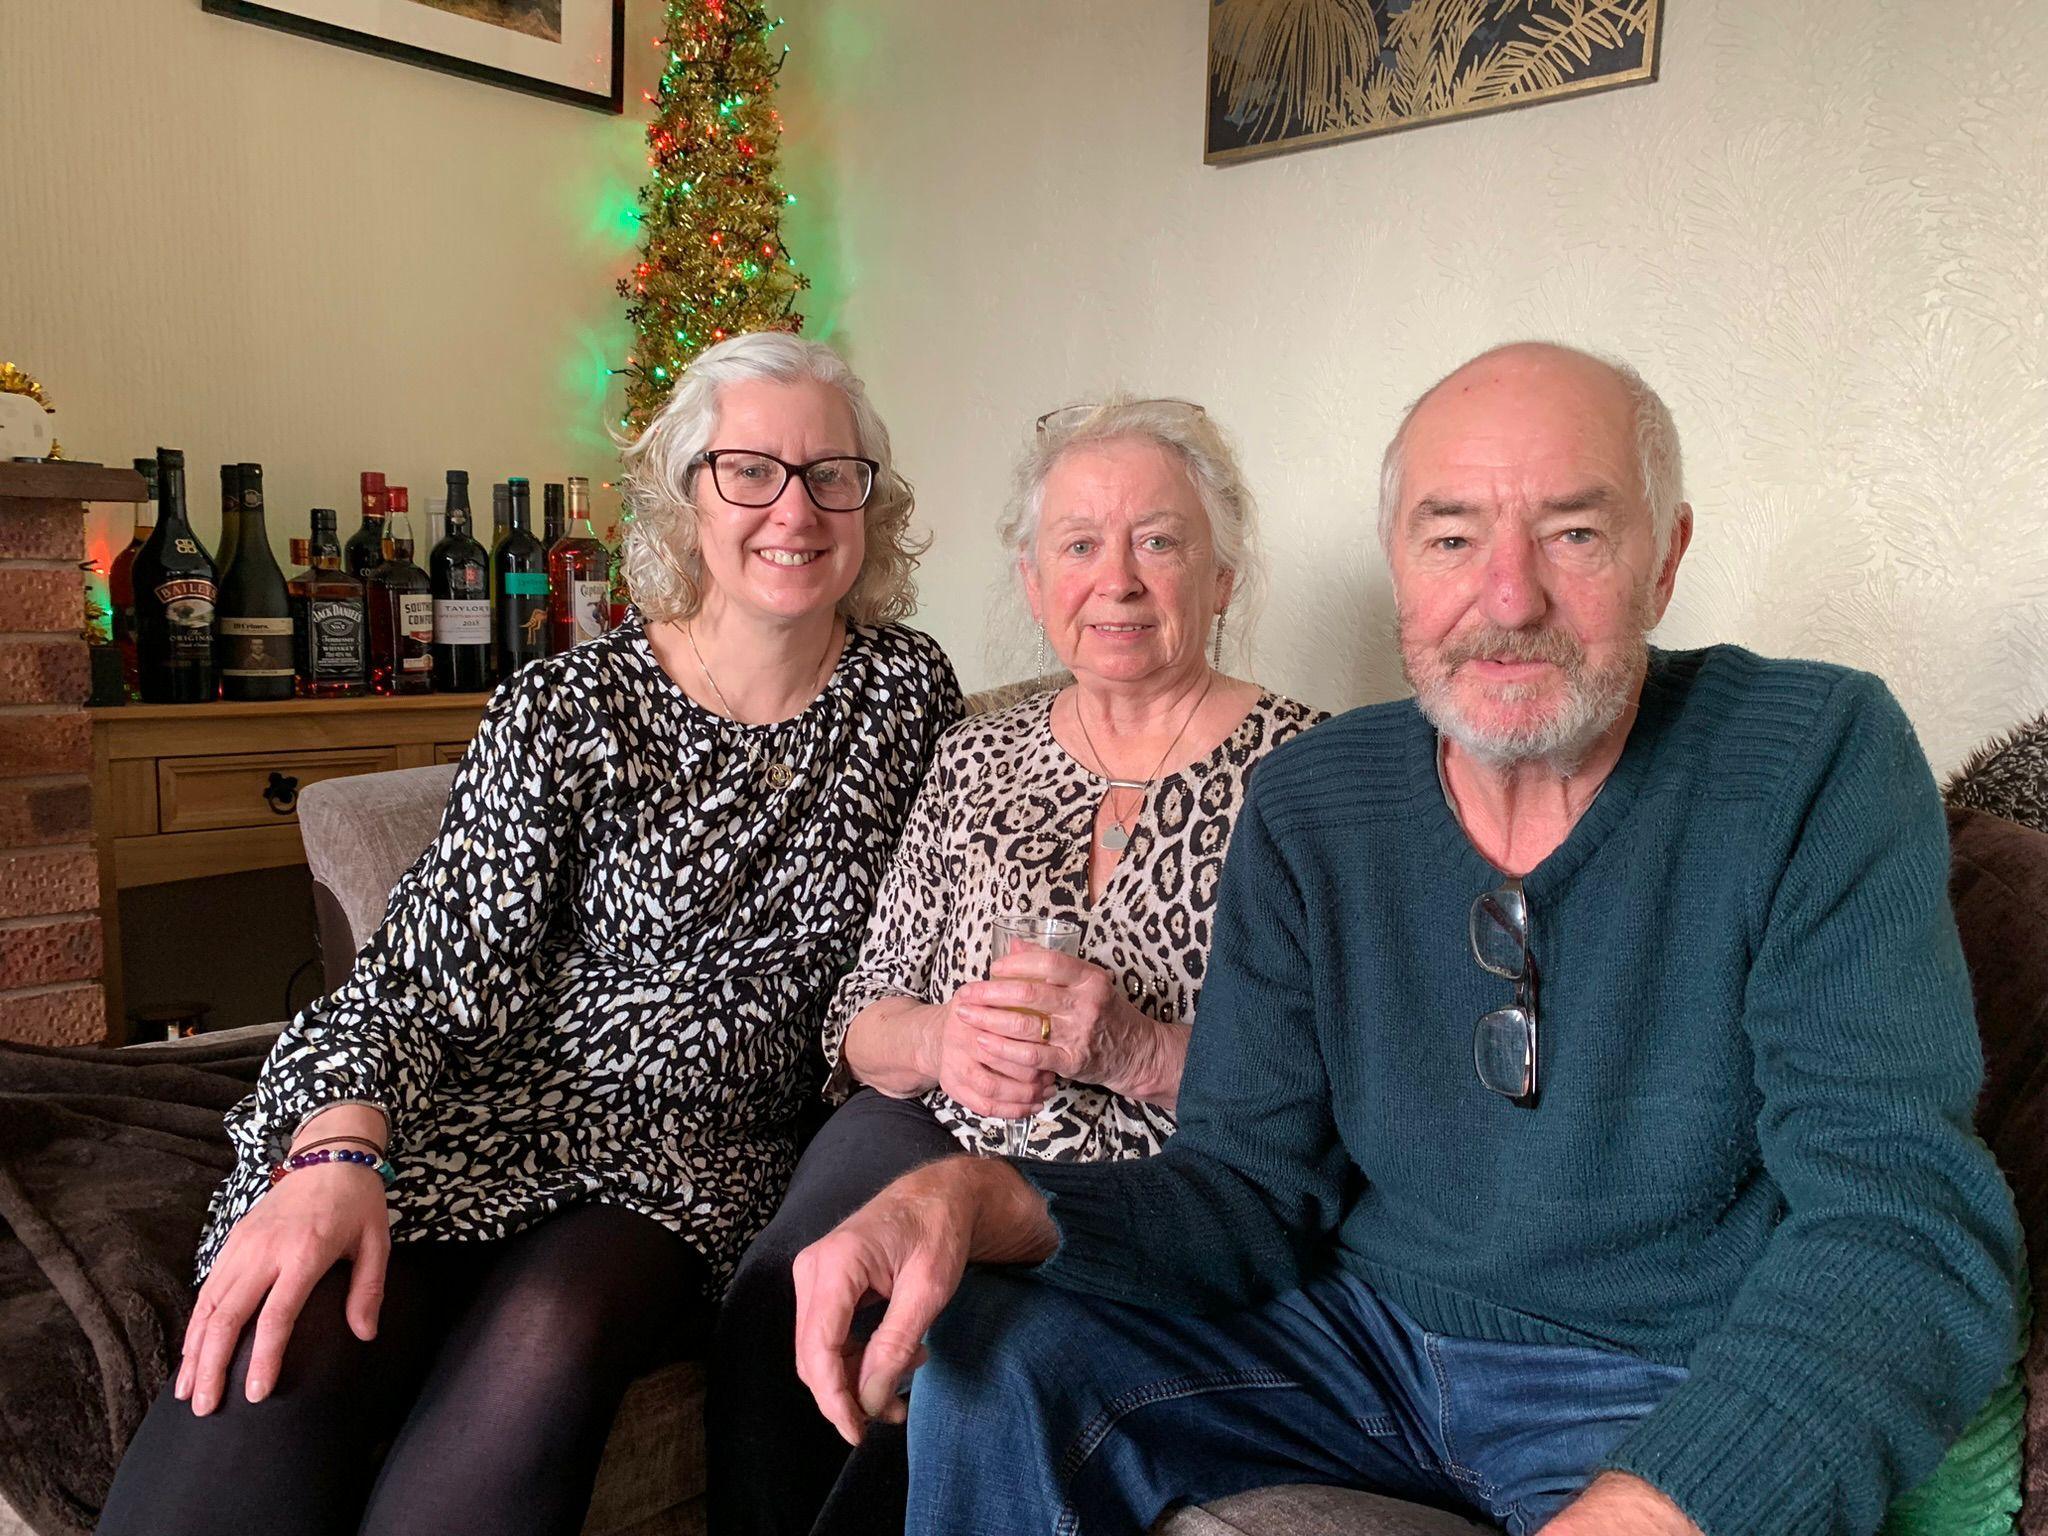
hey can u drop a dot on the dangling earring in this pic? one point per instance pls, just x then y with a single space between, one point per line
1041 652
1216 647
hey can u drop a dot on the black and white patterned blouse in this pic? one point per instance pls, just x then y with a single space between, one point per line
602 980
1004 823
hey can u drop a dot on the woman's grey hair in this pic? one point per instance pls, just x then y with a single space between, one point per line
1658 458
664 571
1192 436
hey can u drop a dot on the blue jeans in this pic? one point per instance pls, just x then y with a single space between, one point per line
1045 1413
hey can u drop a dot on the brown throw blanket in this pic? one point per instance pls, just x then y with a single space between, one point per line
107 1161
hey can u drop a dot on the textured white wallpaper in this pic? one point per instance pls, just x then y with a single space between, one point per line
1823 235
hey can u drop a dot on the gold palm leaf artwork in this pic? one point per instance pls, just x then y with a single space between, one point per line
1287 74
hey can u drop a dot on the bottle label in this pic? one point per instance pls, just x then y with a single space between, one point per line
416 625
335 630
462 621
526 583
590 609
188 617
255 647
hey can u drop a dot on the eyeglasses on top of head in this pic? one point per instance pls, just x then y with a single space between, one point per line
1504 1040
748 478
1063 417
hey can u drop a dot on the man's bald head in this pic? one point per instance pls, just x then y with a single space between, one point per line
1599 383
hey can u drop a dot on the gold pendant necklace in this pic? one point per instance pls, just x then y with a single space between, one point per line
1118 837
779 773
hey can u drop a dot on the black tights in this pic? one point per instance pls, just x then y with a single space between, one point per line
774 1461
493 1379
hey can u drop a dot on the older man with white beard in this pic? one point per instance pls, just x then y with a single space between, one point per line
1577 1125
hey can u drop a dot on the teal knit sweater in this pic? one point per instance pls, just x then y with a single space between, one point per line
1753 1153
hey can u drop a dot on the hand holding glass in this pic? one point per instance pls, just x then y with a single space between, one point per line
1011 933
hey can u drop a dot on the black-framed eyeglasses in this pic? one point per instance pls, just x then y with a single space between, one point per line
747 478
1504 1041
1065 416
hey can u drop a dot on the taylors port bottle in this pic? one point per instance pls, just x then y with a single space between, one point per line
459 574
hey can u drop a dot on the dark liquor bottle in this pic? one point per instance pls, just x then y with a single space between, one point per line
501 514
618 599
174 593
459 574
365 547
121 580
253 648
230 520
550 518
330 624
401 610
578 569
519 588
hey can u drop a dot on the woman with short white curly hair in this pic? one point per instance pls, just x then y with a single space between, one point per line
509 1164
1107 802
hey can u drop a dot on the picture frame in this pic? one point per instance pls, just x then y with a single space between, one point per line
570 51
1295 74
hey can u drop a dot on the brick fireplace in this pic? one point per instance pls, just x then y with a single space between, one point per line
50 950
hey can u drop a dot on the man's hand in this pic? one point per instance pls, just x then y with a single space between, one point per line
911 1243
1616 1504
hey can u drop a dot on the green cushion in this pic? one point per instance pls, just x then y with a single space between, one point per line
1976 1489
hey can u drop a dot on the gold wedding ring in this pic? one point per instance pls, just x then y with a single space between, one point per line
1045 1029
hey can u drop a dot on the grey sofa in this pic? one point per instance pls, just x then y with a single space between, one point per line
361 834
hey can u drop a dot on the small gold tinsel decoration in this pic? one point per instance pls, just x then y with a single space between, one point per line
14 382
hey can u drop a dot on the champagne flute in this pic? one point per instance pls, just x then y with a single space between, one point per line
1012 932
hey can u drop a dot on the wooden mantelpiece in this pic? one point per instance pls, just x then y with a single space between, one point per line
184 791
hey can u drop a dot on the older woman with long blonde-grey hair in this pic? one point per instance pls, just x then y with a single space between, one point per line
1107 804
559 1092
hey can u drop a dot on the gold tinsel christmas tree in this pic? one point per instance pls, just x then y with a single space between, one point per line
712 262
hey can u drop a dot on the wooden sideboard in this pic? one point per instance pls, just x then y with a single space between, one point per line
183 791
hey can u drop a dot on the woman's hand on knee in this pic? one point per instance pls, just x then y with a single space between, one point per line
268 1266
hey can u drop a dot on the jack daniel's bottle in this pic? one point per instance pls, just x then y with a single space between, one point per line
174 595
329 624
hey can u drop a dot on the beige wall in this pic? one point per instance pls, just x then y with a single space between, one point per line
1824 235
255 246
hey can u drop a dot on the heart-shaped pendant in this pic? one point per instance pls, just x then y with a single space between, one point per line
1116 839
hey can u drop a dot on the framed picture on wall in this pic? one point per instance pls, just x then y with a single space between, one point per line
1292 74
566 50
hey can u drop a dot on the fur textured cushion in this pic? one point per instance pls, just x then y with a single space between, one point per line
2007 777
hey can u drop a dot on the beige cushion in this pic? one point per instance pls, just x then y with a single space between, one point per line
362 833
1308 1511
989 700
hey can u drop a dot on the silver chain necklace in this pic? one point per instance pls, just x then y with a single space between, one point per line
1118 837
779 773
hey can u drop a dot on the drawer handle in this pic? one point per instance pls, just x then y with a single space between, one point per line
282 794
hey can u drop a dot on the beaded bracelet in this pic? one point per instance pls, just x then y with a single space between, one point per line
336 1141
371 1160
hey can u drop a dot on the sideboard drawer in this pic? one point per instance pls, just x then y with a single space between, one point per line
255 789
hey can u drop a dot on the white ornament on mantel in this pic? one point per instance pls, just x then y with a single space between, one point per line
24 428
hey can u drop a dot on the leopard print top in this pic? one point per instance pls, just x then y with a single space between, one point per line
1004 821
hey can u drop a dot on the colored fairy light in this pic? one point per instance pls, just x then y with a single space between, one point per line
714 140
